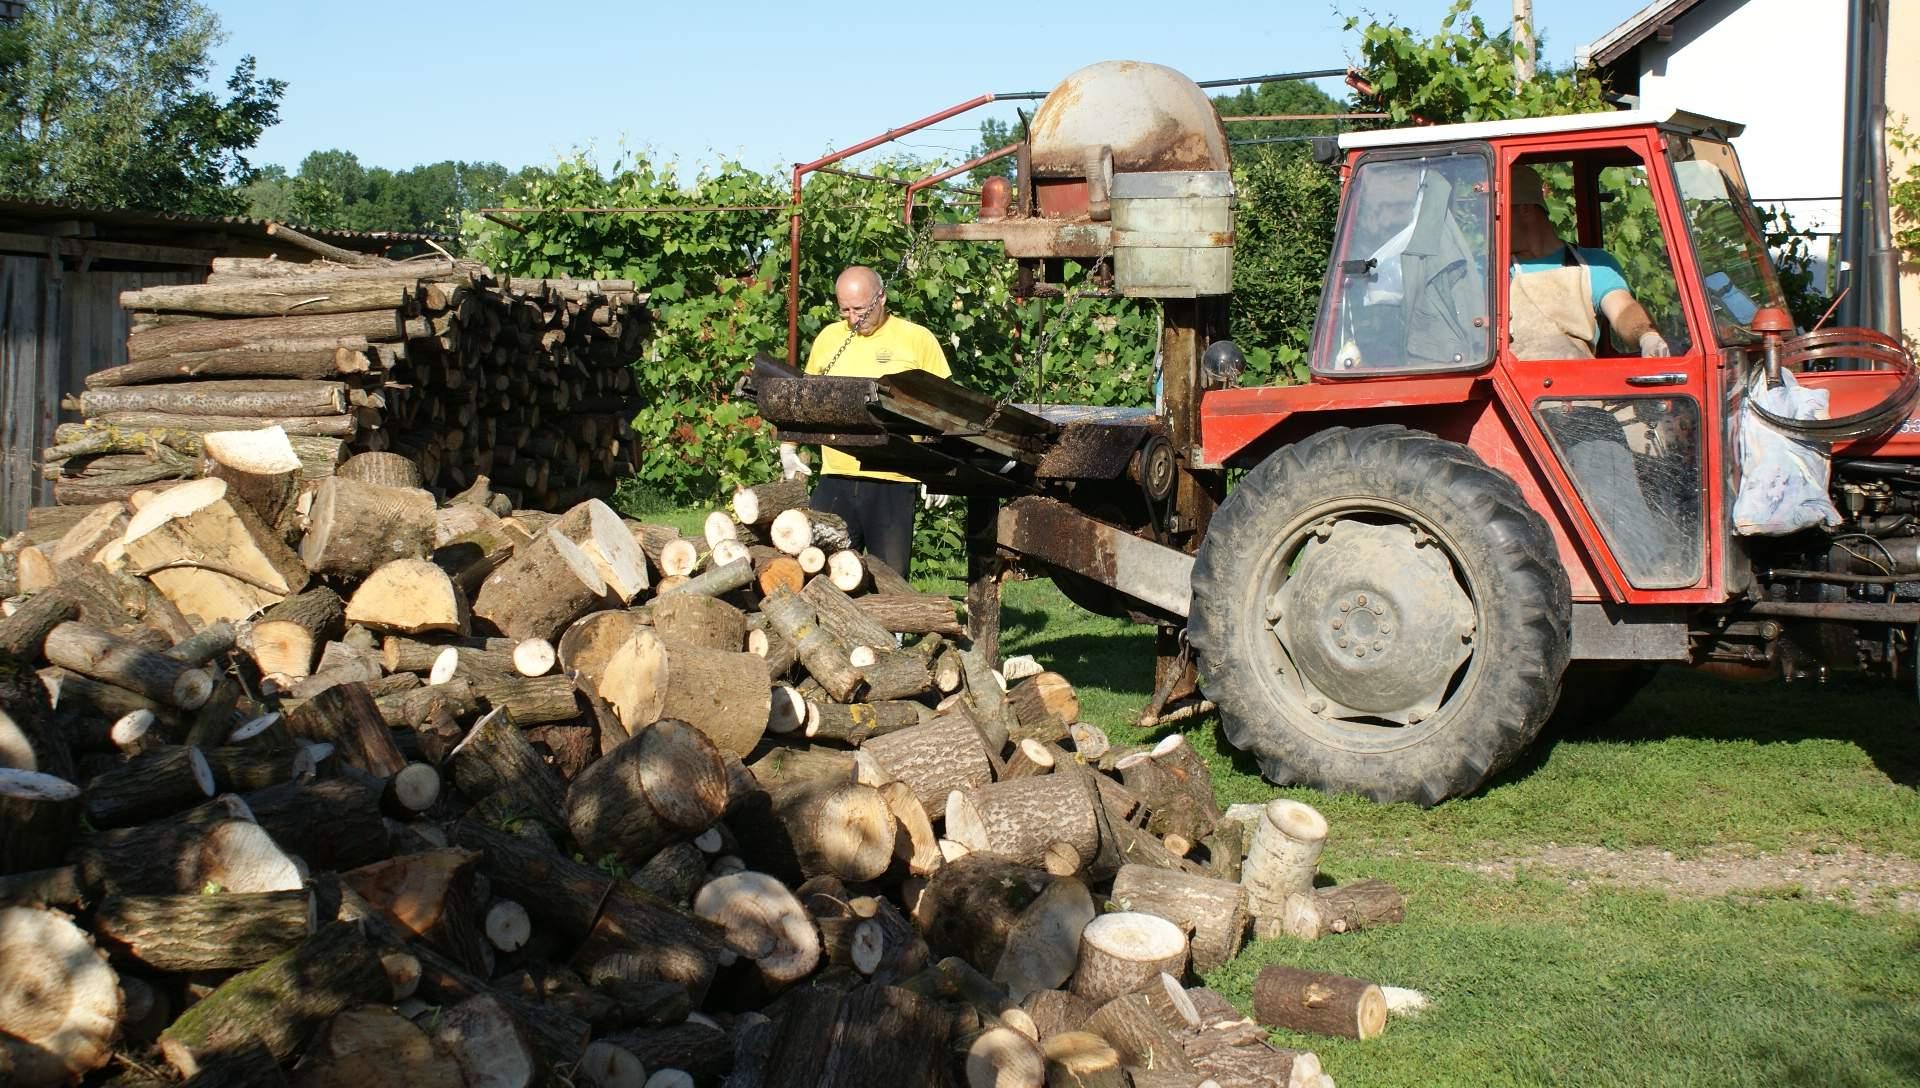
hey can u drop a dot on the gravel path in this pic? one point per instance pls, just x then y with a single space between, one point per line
1846 875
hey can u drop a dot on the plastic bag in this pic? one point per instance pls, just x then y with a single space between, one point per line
1782 484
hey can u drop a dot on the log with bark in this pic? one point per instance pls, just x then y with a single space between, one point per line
1318 1003
223 931
666 784
1363 904
1122 952
1281 861
1213 911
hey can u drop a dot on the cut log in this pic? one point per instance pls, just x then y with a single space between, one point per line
723 694
1231 1060
843 619
375 1047
212 844
935 759
763 922
1081 1059
1030 759
812 560
272 298
911 613
206 932
58 887
23 633
788 712
1176 788
333 824
1056 1012
533 657
260 469
429 896
857 723
1020 818
345 716
379 326
540 590
233 397
1089 741
1043 706
413 790
665 785
1122 952
605 1065
165 781
1281 862
1043 947
213 557
889 675
915 845
380 467
489 1043
496 758
603 538
355 527
716 580
590 643
1129 1024
822 654
313 359
1363 904
778 572
1213 911
102 656
690 619
287 638
103 525
58 998
846 571
972 905
1004 1058
281 1002
1318 1003
887 1035
410 596
826 826
759 505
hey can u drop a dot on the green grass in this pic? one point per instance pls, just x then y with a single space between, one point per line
1537 981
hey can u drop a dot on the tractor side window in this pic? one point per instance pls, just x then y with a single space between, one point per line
1630 231
1407 290
1728 241
1574 301
1636 464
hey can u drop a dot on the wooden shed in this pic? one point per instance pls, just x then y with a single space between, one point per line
62 269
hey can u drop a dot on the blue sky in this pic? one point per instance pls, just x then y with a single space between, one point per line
765 83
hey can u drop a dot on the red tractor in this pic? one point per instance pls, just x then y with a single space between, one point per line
1457 519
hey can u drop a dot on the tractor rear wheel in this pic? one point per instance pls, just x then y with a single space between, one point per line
1377 611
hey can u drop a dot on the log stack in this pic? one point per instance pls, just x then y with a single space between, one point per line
435 361
541 798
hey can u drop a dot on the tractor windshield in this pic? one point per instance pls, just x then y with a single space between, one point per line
1735 269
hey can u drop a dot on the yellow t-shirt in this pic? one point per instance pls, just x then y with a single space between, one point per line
897 345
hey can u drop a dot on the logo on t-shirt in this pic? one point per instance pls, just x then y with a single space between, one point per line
883 356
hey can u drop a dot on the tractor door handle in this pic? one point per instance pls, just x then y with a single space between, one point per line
1671 377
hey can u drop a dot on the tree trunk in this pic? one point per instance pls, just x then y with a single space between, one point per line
206 932
1081 1059
58 998
911 613
281 1002
1043 947
856 723
24 633
355 527
1020 818
972 905
259 467
666 784
95 653
149 787
315 359
1213 911
1122 952
1281 862
335 824
936 758
823 655
757 506
1318 1003
378 327
411 596
1364 904
495 758
540 590
239 397
603 538
886 1036
272 297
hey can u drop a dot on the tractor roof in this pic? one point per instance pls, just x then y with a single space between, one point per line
1536 126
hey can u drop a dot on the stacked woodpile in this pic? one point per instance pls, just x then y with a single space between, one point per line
350 787
527 382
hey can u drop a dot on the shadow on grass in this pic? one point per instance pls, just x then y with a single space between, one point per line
1879 718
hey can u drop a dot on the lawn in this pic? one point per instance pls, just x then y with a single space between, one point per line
1549 979
1543 976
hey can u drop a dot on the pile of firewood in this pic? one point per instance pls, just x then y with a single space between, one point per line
337 785
525 382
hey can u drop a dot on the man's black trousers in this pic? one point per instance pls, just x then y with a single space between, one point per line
879 515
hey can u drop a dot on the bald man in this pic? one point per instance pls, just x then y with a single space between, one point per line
868 342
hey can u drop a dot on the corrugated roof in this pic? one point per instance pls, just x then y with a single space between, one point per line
132 217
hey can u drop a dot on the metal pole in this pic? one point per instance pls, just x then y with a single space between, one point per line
1522 41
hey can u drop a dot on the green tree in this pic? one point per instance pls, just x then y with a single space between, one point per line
333 189
1463 73
1270 99
103 102
994 135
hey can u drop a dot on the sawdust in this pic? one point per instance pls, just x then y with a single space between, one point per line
1844 875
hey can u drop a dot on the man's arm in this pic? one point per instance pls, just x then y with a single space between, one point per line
1631 321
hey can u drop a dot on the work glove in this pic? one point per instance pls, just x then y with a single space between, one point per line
792 465
1653 345
933 500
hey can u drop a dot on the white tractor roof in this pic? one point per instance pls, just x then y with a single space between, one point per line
1536 126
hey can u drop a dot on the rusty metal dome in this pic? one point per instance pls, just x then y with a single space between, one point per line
1153 118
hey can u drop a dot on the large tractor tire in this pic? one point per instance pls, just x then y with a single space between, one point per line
1376 611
